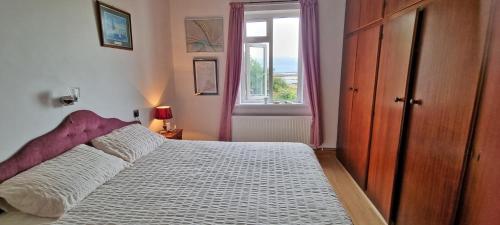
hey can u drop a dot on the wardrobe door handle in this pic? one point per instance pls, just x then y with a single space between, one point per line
350 88
399 99
355 90
415 101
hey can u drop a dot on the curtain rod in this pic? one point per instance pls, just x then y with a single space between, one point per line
270 2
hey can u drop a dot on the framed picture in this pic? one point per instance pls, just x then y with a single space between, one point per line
115 27
205 76
204 34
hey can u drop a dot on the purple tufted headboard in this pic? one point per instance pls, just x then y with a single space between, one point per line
78 128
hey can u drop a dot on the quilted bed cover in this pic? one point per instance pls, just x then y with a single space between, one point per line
204 182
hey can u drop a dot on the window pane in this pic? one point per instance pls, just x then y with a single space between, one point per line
256 29
257 65
286 60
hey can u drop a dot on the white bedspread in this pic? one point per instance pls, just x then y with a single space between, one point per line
199 182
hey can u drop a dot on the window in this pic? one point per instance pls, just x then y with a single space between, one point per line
256 29
271 71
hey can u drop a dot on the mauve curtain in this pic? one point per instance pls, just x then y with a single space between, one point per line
233 68
310 55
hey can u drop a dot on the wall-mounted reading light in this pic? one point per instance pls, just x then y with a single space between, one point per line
74 95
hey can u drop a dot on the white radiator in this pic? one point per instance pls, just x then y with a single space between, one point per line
272 128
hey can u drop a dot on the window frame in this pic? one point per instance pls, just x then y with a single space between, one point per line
245 85
268 16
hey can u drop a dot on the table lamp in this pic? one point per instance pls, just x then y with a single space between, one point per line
164 113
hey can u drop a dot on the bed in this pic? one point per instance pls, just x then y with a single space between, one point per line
194 182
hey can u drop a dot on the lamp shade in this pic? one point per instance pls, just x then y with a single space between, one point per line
163 113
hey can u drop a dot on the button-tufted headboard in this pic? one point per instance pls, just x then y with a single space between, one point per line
78 128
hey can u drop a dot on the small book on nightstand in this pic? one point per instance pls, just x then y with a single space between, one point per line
173 134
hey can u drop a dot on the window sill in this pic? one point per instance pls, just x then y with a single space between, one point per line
272 110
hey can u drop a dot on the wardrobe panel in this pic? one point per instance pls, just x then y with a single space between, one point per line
481 205
394 65
393 6
346 95
447 74
370 11
352 15
362 108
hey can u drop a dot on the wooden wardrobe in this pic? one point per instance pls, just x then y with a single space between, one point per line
359 76
415 116
481 200
357 96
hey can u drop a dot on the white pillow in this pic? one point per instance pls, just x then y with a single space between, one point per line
129 143
57 185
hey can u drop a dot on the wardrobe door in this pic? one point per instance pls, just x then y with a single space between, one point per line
362 108
481 205
394 66
393 6
352 15
447 76
346 95
370 11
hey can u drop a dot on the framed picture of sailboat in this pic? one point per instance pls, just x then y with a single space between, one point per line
115 27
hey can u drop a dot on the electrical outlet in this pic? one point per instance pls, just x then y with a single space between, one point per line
136 113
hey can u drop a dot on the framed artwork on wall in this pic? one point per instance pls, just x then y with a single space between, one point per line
204 34
205 76
115 29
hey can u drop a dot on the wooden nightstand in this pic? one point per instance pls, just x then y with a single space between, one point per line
173 134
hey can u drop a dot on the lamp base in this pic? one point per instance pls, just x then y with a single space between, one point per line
166 127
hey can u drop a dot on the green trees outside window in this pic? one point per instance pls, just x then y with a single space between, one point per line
282 91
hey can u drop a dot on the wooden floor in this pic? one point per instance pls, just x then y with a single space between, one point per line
361 210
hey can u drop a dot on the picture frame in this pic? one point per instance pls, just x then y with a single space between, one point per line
204 34
115 27
206 76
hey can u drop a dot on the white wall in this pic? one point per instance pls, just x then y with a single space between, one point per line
331 21
200 115
47 46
